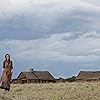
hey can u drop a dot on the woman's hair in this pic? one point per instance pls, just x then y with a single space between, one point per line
7 55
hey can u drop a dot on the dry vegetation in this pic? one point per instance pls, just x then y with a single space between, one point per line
58 91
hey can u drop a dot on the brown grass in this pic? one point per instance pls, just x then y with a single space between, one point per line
58 91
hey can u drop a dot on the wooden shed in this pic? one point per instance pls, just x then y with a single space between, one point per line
34 77
88 76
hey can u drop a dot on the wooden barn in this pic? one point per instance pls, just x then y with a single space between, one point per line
34 77
88 76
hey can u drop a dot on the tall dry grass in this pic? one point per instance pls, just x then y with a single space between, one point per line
58 91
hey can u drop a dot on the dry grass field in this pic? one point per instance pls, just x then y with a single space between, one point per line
58 91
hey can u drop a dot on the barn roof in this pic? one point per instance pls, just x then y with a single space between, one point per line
28 75
42 75
88 75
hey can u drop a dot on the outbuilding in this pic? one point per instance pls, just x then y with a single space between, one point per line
34 77
88 76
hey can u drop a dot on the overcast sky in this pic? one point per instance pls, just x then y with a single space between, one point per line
61 36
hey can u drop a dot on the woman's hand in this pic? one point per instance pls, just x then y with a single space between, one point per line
12 71
2 69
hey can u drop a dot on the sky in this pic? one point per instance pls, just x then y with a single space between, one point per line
61 36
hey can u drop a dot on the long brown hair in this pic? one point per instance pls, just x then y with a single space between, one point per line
6 56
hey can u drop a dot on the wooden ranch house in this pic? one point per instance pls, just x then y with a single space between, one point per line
34 77
88 76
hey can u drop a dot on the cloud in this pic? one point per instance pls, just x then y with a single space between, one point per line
32 19
56 47
64 51
51 32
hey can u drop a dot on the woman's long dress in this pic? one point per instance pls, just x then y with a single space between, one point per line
6 75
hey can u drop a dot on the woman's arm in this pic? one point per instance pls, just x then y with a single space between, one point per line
11 66
3 65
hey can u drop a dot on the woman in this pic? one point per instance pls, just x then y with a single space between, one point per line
6 73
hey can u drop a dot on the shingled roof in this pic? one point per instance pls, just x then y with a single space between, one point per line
42 75
88 75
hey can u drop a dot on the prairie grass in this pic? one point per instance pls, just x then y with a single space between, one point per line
57 91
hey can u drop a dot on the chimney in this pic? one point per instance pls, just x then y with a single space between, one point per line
31 69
